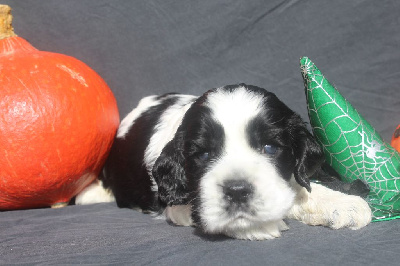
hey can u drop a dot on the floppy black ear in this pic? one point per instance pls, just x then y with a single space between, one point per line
309 156
169 173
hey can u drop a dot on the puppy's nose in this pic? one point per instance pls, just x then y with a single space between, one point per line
237 191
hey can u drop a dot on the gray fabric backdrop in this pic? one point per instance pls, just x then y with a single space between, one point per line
151 47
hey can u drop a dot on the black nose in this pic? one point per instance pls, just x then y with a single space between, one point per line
237 191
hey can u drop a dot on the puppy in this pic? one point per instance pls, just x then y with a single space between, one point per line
235 161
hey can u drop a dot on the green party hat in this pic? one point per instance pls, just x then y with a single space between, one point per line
351 145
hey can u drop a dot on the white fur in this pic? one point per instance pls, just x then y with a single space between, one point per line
179 214
271 201
233 108
94 193
327 207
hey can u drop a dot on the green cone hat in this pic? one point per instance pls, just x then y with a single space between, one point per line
351 145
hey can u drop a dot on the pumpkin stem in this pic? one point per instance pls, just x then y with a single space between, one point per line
6 29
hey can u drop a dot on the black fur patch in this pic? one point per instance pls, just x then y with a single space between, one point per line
181 163
124 171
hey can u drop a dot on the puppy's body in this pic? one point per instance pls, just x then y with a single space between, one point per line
234 161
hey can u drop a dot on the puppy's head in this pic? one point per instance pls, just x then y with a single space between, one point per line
232 158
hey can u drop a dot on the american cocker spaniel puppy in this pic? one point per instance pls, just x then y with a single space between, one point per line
235 161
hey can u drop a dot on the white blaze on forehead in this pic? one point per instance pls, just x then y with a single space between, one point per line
233 110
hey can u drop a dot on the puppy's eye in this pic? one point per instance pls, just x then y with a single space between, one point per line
269 149
204 156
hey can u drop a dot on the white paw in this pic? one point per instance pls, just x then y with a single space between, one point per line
330 208
94 193
179 214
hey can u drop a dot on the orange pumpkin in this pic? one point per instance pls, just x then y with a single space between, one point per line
58 119
396 139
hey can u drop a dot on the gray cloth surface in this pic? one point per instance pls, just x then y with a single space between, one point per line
152 47
105 234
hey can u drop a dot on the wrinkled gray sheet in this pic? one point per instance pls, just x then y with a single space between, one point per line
152 47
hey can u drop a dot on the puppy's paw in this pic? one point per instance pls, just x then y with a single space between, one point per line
330 208
179 215
94 193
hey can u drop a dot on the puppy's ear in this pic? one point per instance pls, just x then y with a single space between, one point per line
169 173
309 156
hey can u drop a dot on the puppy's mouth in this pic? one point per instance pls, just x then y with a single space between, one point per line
240 221
243 215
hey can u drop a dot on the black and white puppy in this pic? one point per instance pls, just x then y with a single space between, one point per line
234 161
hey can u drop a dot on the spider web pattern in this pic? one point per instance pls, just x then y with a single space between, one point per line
351 145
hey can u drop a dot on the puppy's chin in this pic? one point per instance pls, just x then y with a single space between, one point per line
242 228
245 226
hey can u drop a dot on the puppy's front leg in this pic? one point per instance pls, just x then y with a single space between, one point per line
327 207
